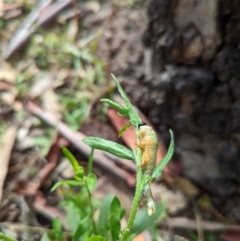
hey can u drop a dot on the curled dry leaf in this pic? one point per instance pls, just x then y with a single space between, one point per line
6 144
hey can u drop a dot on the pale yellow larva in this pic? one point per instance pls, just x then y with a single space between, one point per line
148 143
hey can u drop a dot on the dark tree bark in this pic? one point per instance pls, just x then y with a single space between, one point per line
192 70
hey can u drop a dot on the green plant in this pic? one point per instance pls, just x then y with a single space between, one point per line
109 227
80 206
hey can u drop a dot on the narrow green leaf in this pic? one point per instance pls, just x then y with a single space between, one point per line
86 56
79 174
91 181
57 227
109 146
115 214
123 129
73 213
115 208
143 220
83 226
158 169
121 109
115 228
102 224
97 238
71 158
67 182
134 118
90 161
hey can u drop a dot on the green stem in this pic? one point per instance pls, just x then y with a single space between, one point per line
90 161
6 238
135 204
91 207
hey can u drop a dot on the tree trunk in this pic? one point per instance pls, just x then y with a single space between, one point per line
192 70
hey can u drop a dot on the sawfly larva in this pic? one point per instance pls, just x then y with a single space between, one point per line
148 143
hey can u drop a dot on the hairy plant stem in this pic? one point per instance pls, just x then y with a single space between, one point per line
135 203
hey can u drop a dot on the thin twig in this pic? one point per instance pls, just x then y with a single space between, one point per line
200 231
185 223
76 18
18 227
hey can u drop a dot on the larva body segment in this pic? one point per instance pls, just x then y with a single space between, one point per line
148 143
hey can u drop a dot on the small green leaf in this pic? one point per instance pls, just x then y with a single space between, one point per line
115 215
121 109
102 224
83 226
135 153
91 181
57 227
79 174
134 118
97 238
123 129
71 158
67 182
115 207
158 169
73 214
143 220
109 146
